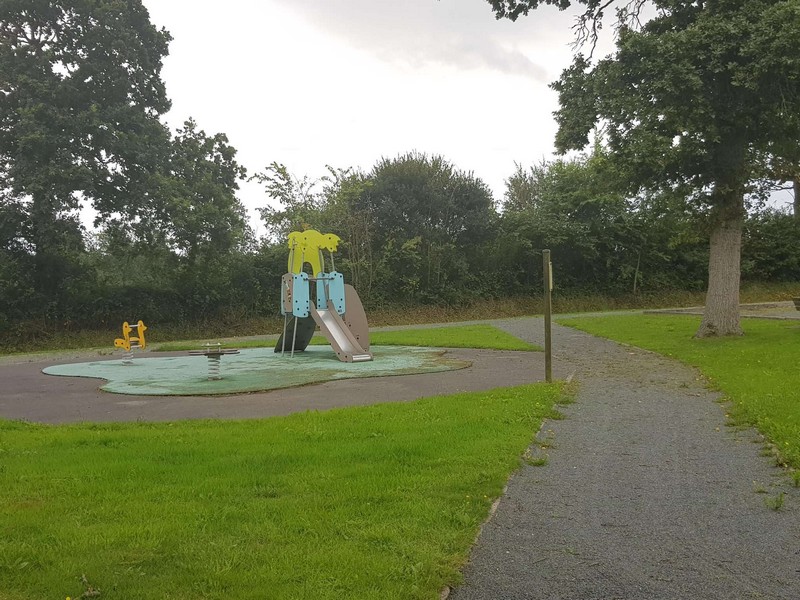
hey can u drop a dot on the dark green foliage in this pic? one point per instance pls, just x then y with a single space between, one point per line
300 204
512 9
603 242
414 230
685 97
698 97
602 239
431 226
81 95
771 249
701 95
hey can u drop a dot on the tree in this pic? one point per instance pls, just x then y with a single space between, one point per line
80 97
433 221
770 251
186 238
702 99
199 187
300 201
413 229
575 208
525 187
345 212
207 222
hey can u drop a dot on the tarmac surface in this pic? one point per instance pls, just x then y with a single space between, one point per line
26 393
646 493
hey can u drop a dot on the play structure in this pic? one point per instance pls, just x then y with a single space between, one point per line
323 299
129 342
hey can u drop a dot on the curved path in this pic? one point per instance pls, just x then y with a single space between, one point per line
646 493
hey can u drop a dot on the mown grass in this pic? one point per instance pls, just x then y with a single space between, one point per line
459 336
759 372
371 502
46 336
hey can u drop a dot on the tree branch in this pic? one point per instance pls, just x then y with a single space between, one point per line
588 25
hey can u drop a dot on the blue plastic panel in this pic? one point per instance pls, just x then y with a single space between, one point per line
301 302
336 291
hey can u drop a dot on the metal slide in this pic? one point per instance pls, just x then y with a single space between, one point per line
339 335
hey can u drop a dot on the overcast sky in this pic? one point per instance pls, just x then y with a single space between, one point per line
346 82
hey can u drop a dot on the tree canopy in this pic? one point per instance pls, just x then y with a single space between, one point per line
702 98
81 96
697 90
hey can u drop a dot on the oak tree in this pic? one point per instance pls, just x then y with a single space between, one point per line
80 97
702 98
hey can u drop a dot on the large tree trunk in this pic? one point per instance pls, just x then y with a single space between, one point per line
796 189
721 314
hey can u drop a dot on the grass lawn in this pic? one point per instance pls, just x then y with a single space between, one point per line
369 502
458 336
759 372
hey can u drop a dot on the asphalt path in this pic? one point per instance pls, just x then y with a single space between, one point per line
28 394
646 494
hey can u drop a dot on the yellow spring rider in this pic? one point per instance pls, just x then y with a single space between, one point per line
129 342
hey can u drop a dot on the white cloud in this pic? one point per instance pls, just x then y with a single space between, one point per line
456 33
346 82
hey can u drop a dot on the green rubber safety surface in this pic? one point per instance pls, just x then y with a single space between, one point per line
252 370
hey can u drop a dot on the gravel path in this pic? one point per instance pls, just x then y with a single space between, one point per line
646 494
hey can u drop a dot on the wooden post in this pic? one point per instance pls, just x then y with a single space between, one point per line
548 312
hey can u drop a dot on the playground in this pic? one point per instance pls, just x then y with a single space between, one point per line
637 489
212 382
643 451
